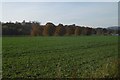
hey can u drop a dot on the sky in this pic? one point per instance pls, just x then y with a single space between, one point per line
93 14
60 0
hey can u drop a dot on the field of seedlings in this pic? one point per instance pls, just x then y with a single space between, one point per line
60 57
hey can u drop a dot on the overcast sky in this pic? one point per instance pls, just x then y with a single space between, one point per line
60 0
94 14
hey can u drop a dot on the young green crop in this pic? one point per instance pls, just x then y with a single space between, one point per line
59 57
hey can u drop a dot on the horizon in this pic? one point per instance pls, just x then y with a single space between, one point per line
93 14
57 24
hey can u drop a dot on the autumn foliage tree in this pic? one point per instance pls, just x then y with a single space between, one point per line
70 29
49 29
83 31
60 30
77 31
36 30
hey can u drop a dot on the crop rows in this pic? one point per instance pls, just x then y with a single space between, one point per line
59 57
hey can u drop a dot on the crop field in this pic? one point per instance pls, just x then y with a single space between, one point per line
60 57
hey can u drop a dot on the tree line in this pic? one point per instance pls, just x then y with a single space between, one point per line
49 29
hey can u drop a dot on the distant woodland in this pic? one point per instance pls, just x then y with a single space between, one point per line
49 29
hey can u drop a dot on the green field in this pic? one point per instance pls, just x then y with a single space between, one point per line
60 57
